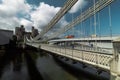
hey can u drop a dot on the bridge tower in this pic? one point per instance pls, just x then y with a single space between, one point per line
115 63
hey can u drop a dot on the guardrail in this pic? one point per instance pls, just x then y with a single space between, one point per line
90 57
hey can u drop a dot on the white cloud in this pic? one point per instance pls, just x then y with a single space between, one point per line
9 10
60 24
0 1
13 13
9 23
43 14
79 5
27 24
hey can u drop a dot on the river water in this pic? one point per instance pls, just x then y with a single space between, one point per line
34 65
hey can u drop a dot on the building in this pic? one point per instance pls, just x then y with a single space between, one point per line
20 32
34 32
28 34
5 36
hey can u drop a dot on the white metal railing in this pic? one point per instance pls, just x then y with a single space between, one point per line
90 57
90 49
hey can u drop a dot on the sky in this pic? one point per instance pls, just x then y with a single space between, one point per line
38 13
107 22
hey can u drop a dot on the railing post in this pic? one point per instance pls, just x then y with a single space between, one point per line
65 47
60 47
115 62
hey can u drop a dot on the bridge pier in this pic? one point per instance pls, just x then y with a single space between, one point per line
115 63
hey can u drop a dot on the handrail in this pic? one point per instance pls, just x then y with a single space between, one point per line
93 58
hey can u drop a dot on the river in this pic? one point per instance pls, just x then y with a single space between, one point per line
34 65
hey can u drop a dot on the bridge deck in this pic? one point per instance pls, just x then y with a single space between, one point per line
96 59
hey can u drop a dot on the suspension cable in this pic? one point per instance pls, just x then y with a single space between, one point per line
95 31
99 26
90 29
73 27
81 43
81 24
94 19
110 21
90 33
95 24
99 29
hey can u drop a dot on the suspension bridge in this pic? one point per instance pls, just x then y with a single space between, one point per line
99 51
